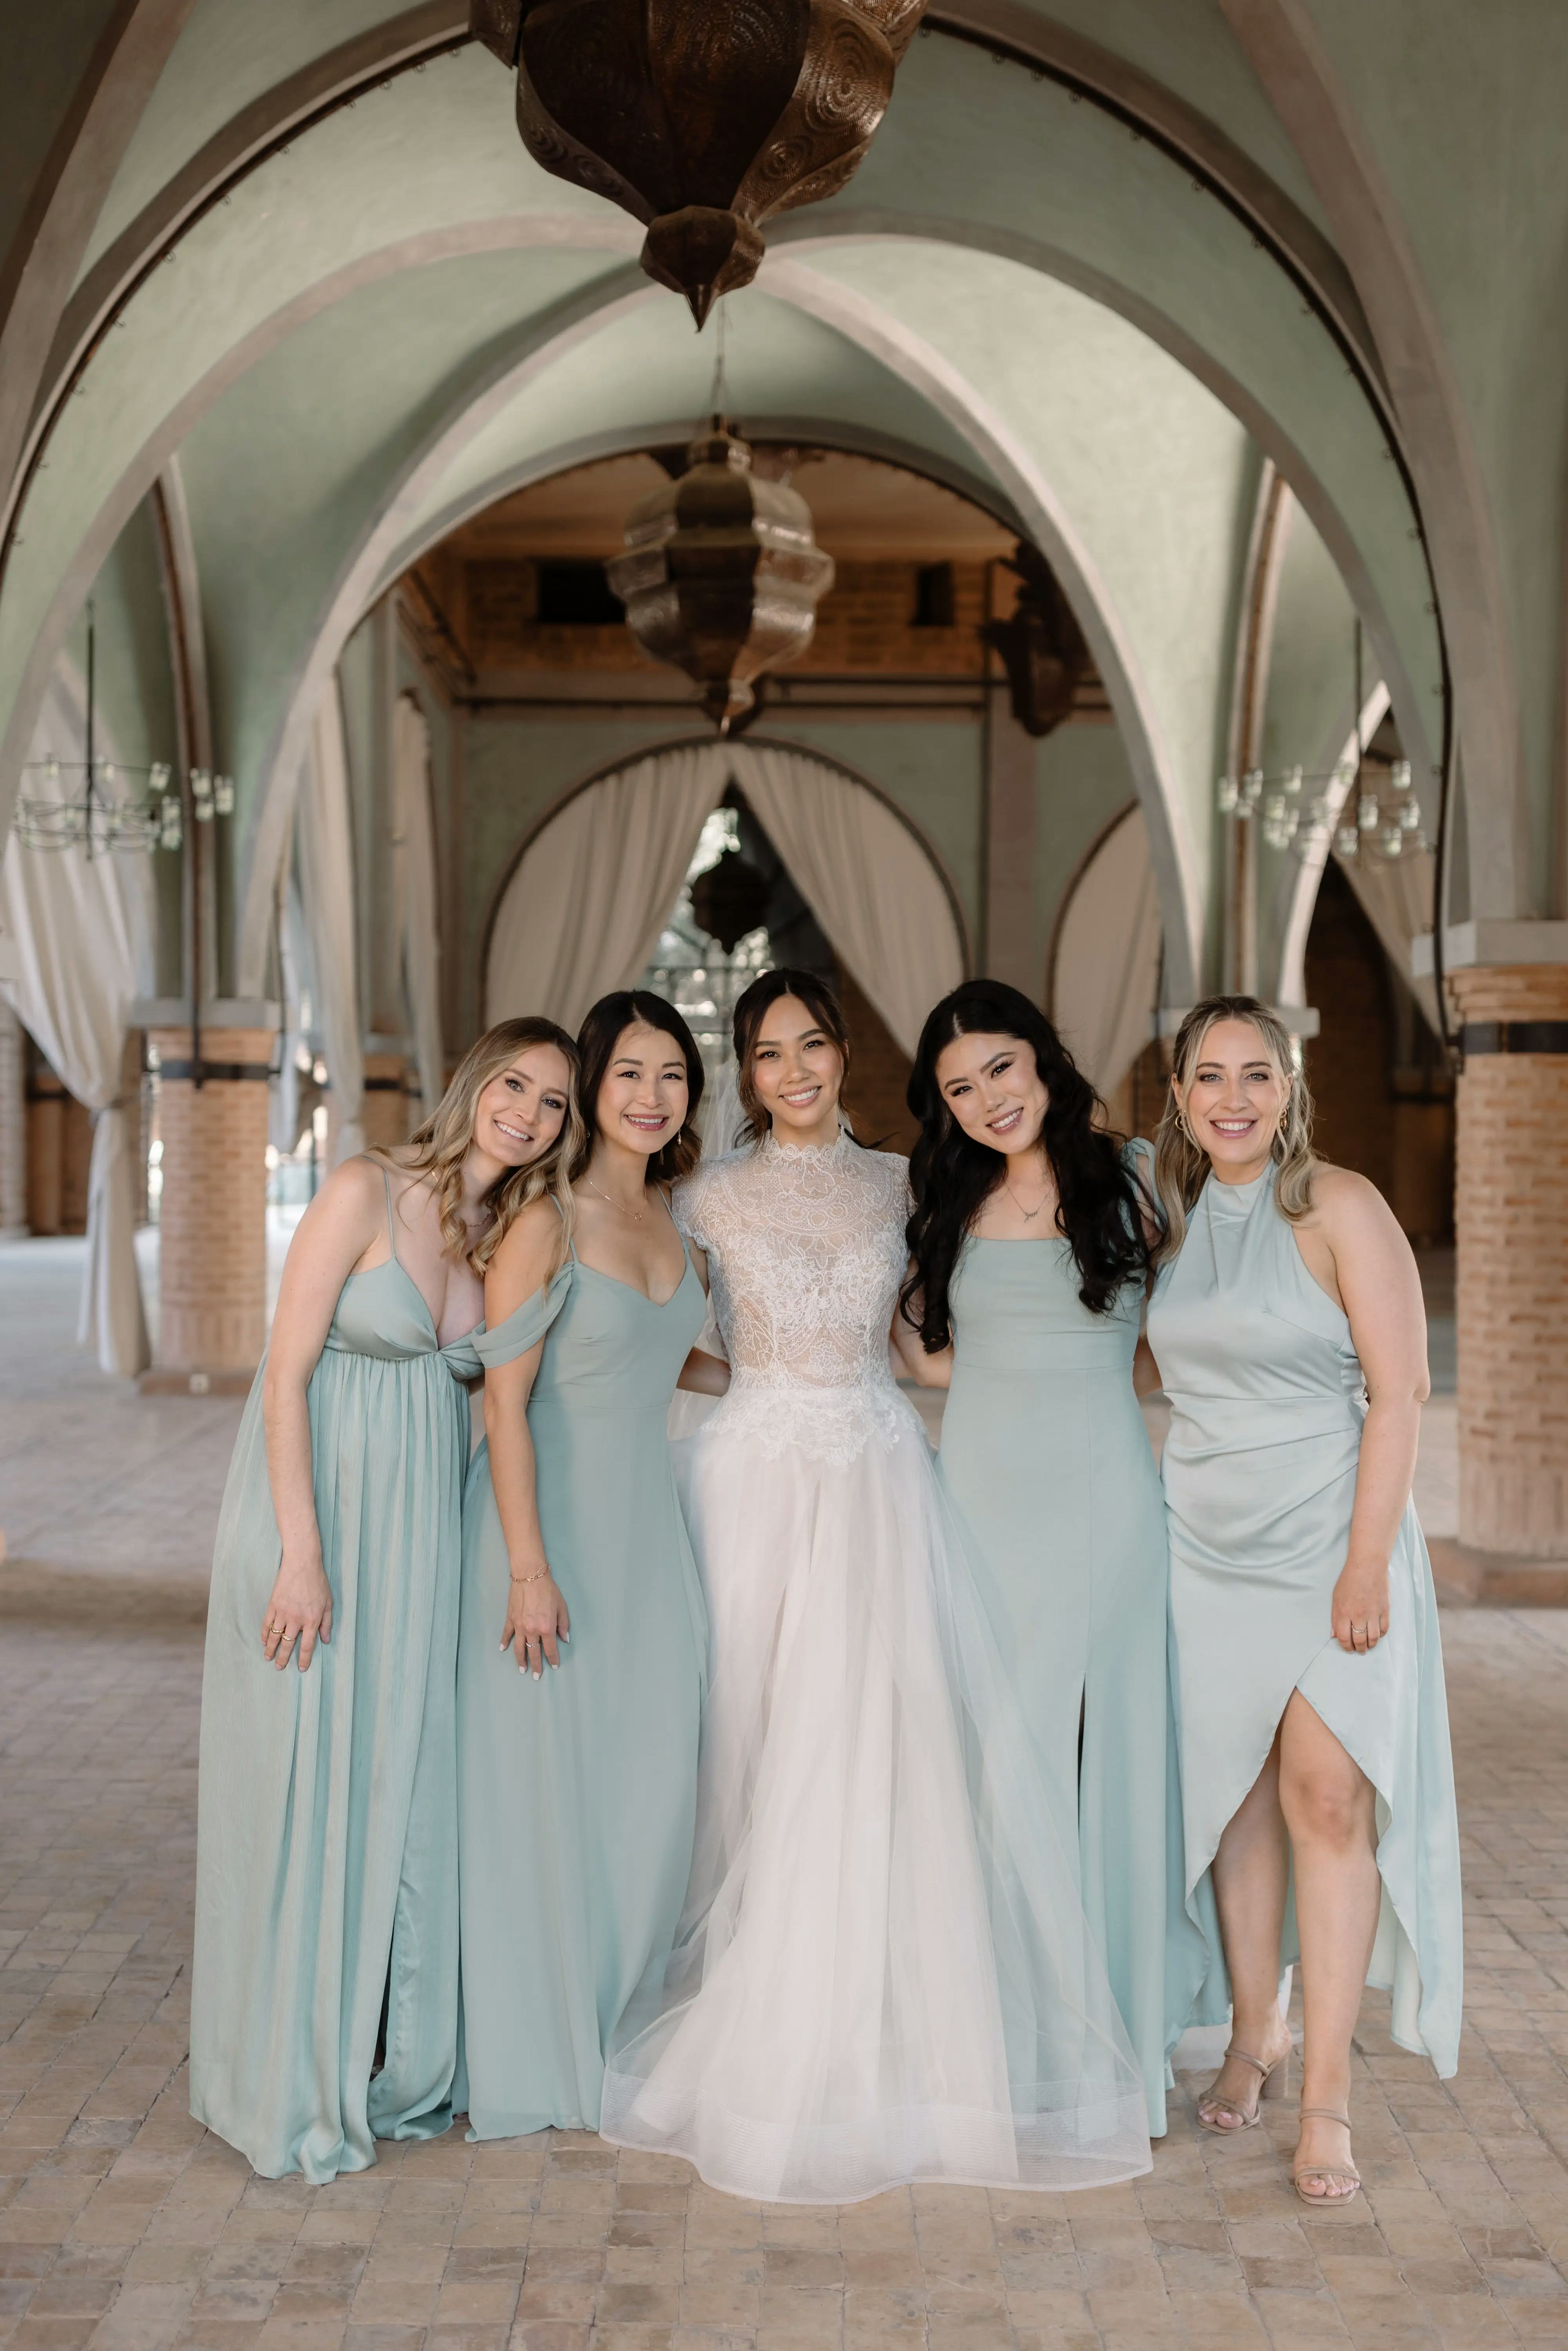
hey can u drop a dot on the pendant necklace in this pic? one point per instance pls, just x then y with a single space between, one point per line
638 1215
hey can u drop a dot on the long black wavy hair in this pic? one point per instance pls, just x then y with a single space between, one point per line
1099 1211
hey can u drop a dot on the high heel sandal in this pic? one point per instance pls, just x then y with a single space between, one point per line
1274 2082
1336 2174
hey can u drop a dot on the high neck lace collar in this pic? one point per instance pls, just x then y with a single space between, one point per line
773 1148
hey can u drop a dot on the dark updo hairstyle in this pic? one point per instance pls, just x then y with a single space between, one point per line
765 992
1100 1208
602 1030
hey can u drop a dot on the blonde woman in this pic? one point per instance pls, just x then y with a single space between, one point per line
1288 1324
326 1863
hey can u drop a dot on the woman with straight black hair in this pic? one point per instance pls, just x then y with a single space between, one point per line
1030 1247
584 1641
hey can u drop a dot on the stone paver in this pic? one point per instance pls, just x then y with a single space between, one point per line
125 2227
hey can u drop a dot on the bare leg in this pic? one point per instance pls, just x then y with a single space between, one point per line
1328 1804
1251 1874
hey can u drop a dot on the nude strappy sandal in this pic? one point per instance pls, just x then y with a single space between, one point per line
1335 2175
1274 2082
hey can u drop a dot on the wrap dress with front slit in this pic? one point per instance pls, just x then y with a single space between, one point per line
1267 1400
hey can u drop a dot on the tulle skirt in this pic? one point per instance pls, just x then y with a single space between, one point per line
883 1972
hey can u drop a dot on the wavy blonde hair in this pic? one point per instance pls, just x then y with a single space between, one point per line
1181 1168
439 1147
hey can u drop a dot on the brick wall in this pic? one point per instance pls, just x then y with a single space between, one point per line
1512 1214
13 1124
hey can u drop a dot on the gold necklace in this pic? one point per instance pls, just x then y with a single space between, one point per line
638 1215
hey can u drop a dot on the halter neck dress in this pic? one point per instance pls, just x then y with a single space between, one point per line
578 1792
1267 1399
326 1856
1047 1463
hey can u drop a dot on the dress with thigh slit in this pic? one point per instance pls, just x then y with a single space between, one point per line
326 1849
577 1793
1268 1401
1047 1465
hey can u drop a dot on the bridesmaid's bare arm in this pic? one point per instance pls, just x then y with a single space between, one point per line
536 1618
935 1371
338 1229
1371 1269
701 1373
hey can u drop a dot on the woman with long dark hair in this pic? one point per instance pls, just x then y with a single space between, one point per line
1316 1776
883 1974
1030 1250
583 1638
326 1848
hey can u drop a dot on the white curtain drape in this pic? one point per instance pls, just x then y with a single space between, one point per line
327 887
414 895
868 880
582 913
78 952
1106 974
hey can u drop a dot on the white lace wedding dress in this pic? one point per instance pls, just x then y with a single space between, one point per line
883 1974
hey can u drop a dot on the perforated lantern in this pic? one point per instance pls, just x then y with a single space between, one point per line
721 577
700 118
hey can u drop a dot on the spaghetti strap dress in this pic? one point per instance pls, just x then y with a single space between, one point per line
578 1792
1047 1463
326 1852
1267 1405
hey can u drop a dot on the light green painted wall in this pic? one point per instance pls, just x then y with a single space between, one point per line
281 473
135 695
1463 106
1083 780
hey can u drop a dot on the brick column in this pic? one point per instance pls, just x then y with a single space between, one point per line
46 1149
213 1214
1511 1230
385 1115
13 1124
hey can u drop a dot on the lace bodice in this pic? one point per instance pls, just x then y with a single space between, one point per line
805 1252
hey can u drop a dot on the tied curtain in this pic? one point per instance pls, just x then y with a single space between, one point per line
582 913
866 878
1105 974
414 895
324 844
78 951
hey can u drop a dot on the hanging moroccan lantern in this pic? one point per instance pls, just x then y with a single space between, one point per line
721 575
730 899
700 118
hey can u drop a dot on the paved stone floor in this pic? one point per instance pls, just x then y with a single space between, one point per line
124 2226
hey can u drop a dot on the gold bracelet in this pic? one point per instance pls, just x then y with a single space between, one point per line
538 1576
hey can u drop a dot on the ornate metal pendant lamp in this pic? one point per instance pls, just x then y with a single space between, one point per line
721 577
700 118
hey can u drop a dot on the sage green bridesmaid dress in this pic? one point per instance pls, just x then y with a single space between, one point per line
1267 1405
1047 1462
577 1793
326 1849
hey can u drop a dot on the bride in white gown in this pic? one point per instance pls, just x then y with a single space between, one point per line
883 1974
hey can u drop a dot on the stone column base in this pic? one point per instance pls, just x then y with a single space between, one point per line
1511 1230
213 1213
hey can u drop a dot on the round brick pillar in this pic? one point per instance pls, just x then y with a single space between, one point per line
212 1250
385 1115
1510 1214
